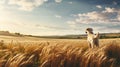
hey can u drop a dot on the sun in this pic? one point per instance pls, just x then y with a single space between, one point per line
4 19
4 15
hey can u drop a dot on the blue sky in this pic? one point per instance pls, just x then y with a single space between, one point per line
59 17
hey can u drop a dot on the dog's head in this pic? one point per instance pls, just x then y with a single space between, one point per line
89 30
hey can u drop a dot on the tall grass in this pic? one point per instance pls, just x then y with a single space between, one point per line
56 55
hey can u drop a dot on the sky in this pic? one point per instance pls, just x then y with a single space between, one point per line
59 17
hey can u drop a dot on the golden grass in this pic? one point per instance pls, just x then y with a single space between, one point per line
49 54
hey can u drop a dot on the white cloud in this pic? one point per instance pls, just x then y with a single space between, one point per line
107 19
45 0
58 16
98 6
118 17
27 5
70 2
50 27
115 3
110 10
106 16
58 1
92 17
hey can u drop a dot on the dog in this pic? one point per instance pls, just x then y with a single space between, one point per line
93 39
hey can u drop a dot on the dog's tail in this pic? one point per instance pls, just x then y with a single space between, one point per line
97 35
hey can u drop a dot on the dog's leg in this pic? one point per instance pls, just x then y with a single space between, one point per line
89 44
96 42
92 45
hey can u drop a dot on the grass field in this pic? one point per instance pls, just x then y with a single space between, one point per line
39 52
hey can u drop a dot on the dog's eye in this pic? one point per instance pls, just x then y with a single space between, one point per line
85 32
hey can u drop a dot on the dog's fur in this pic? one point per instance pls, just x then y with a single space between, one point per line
93 39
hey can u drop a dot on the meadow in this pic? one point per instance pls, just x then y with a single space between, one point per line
36 52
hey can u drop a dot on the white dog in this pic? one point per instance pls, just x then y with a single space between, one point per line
93 39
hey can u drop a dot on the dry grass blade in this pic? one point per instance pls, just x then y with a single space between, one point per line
59 55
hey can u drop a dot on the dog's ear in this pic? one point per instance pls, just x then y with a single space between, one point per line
89 29
97 35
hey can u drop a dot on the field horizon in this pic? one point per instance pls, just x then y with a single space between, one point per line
67 36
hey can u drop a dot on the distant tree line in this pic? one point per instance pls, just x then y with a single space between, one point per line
106 36
18 34
7 33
